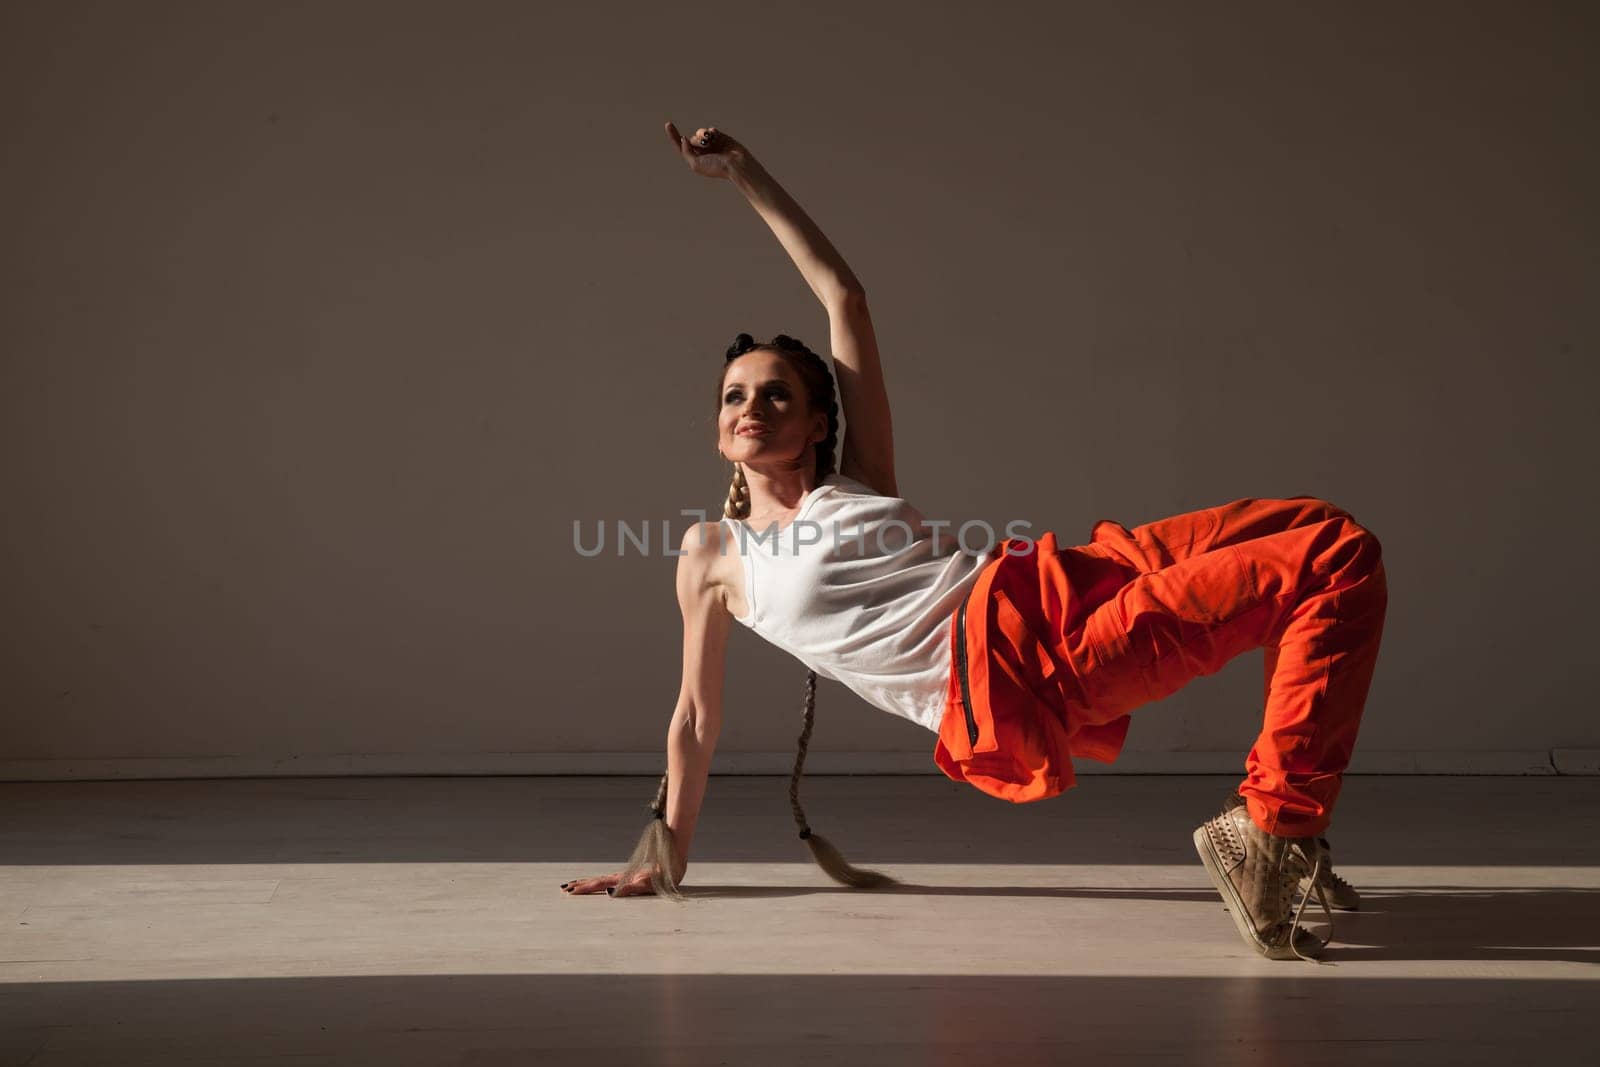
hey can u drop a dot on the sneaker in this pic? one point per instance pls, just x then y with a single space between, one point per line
1341 895
1256 873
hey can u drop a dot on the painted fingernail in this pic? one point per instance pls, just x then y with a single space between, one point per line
565 884
611 891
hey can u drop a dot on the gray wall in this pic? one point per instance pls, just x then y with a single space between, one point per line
313 319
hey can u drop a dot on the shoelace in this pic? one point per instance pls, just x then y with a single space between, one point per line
1328 873
1305 898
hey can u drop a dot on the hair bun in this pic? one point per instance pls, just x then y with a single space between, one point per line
741 344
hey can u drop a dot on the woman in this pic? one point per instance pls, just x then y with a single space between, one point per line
1020 657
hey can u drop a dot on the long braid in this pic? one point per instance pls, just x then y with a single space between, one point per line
827 856
800 756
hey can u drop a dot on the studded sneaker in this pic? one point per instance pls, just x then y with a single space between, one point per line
1256 874
1340 894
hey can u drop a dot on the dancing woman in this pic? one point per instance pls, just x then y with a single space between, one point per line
1019 658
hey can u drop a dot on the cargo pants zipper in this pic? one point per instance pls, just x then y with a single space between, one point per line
961 672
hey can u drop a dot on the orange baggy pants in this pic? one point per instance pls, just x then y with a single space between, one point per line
1054 646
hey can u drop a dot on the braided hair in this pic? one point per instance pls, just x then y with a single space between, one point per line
654 852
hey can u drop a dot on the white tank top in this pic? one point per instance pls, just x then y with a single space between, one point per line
861 590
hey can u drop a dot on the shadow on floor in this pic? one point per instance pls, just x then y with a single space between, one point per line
1394 923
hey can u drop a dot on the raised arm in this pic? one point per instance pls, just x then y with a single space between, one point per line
697 718
867 452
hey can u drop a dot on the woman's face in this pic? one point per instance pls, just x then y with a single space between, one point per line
764 417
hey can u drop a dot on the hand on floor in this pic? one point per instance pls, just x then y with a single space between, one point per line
638 885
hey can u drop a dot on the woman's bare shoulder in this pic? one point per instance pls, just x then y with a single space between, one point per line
710 551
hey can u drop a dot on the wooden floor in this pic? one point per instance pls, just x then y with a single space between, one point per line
418 921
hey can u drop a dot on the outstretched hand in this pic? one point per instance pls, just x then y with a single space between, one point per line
638 885
710 152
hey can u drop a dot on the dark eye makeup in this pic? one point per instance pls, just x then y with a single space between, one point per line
778 392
